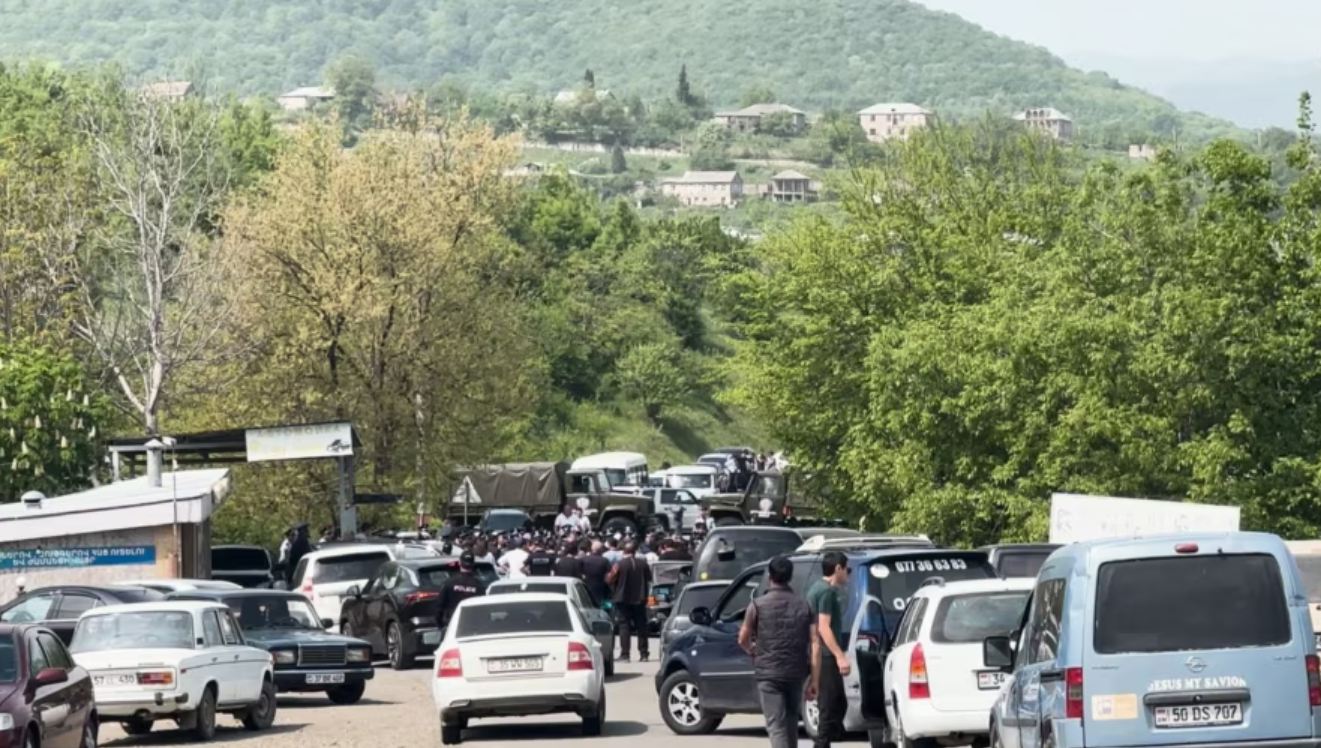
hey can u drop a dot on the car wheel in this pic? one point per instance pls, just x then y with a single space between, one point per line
879 739
400 659
349 693
261 715
811 712
204 717
593 724
138 727
903 741
346 630
89 732
451 734
681 706
31 740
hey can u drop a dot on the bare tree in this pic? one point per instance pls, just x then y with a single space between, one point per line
148 287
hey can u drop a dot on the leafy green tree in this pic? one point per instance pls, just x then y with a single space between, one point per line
589 79
684 93
762 94
778 124
248 134
656 375
353 80
618 163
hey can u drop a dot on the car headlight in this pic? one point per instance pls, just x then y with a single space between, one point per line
284 656
6 721
360 654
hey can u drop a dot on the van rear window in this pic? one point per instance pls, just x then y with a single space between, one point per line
1190 603
894 579
347 568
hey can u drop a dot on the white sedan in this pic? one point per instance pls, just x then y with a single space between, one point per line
181 661
515 656
178 585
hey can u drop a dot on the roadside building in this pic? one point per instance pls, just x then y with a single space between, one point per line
304 98
882 122
748 119
125 530
1048 121
792 187
168 90
1142 152
705 188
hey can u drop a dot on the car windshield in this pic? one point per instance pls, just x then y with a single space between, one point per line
616 477
963 619
8 660
670 573
750 547
504 521
348 567
1012 564
148 629
1309 566
239 559
274 611
690 480
513 617
1224 601
697 597
435 576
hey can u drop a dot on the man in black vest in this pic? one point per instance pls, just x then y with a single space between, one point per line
778 631
631 579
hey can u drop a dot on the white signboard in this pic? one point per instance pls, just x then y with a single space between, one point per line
1075 518
466 493
300 442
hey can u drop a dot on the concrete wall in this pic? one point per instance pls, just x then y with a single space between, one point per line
160 537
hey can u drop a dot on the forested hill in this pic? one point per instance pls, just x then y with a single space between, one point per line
812 53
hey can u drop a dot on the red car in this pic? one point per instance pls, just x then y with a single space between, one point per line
45 699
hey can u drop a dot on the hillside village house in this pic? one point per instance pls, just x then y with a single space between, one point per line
573 95
883 122
705 188
1047 120
168 90
748 119
792 187
304 98
1142 152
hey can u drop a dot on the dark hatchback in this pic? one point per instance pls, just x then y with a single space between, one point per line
57 608
306 657
45 697
1019 559
398 611
668 579
729 550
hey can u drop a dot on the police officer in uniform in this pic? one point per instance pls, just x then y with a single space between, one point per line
460 587
540 562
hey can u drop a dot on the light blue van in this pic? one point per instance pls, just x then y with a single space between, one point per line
1189 640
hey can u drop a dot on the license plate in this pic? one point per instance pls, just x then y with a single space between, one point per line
115 680
991 681
431 637
318 678
514 665
1206 715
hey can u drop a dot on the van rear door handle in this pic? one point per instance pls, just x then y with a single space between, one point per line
1052 675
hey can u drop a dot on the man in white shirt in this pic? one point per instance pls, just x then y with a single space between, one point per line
514 562
582 524
564 521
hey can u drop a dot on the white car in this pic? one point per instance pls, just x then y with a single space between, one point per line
515 656
936 687
183 661
326 575
590 608
699 480
179 585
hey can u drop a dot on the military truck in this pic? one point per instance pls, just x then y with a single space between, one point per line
768 500
541 489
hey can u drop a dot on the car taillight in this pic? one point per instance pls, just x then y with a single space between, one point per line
308 589
414 597
579 657
1073 693
1314 680
918 688
156 678
451 665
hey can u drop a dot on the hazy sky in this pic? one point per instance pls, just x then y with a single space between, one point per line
1188 29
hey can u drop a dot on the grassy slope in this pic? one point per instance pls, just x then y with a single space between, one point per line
814 53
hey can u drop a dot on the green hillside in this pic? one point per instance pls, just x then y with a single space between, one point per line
814 53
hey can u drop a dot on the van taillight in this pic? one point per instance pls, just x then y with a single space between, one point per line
579 657
451 665
918 688
1073 693
1314 680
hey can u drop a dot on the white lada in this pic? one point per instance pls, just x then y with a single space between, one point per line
179 661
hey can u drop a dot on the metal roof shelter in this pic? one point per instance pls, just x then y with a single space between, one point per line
327 440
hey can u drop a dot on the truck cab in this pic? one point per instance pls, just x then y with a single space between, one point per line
767 501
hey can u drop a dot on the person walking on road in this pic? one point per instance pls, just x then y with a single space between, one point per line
830 664
778 632
631 577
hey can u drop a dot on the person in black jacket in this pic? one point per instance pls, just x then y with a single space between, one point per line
631 578
301 547
595 569
459 587
540 562
568 564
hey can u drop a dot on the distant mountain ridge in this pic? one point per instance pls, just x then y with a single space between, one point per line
813 53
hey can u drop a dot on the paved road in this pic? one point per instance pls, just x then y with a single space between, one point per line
397 713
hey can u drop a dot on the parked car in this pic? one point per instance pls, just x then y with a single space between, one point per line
397 610
46 699
1019 559
1197 639
57 608
699 480
244 565
592 610
667 578
306 657
516 656
693 595
936 688
731 549
166 586
181 661
679 507
325 576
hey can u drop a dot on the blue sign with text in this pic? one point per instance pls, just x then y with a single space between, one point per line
72 558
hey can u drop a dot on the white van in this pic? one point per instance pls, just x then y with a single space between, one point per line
326 575
620 468
700 480
1307 553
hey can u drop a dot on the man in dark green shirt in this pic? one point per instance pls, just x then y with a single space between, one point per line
829 663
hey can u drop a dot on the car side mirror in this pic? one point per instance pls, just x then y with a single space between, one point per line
602 628
51 676
327 623
725 554
700 616
998 653
354 591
